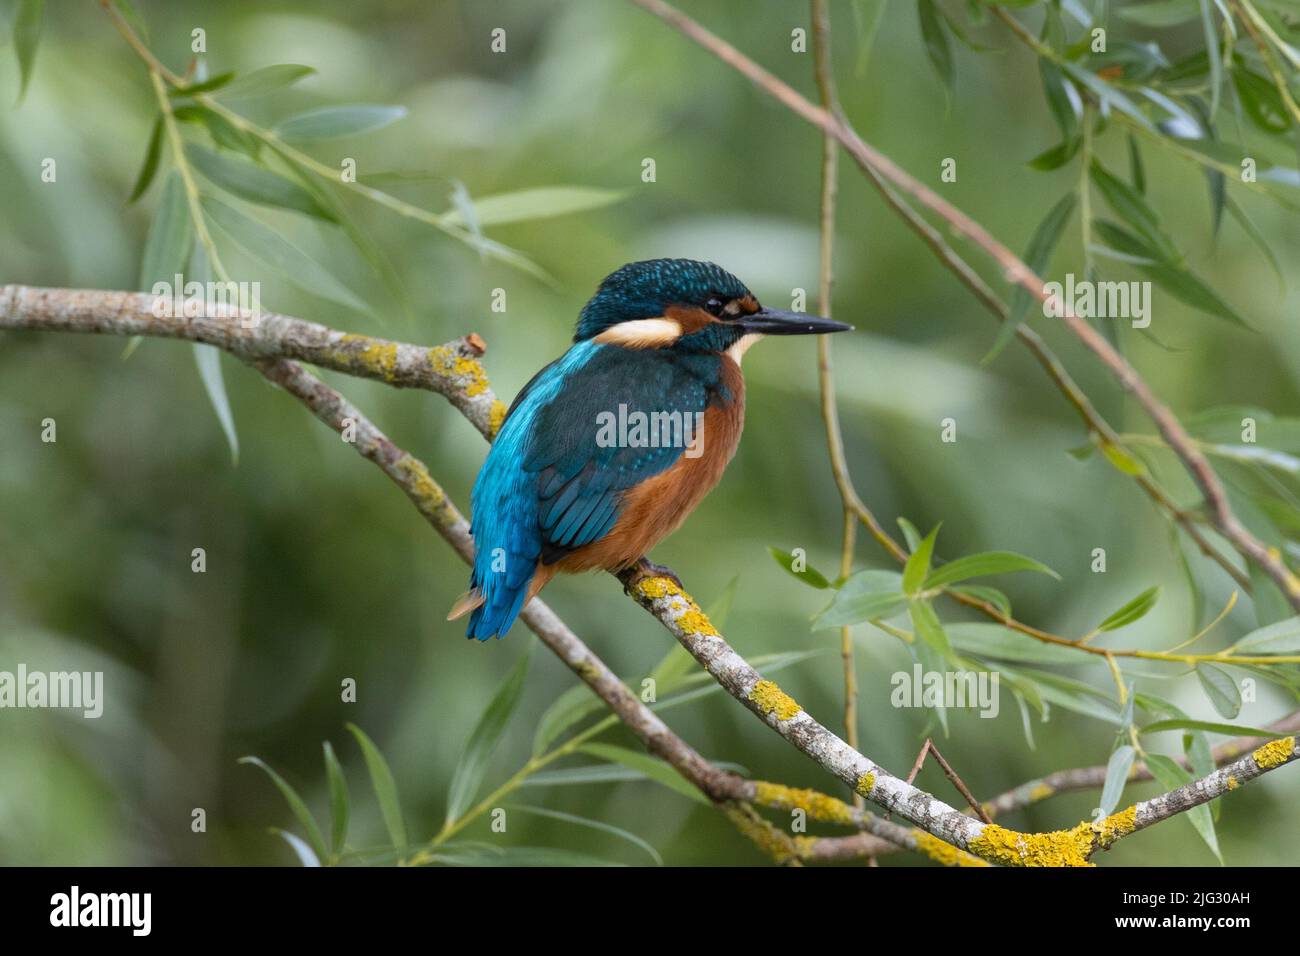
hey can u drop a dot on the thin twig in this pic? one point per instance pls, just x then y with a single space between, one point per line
821 35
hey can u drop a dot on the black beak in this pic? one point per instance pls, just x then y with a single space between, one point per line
777 322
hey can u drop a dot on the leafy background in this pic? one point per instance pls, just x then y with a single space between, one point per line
318 570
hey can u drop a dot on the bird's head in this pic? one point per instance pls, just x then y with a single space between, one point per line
687 306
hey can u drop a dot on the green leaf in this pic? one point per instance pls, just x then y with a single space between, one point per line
1062 99
296 805
1213 57
1037 256
1132 611
385 787
150 165
595 825
1117 770
1221 689
936 42
809 575
1107 94
224 133
917 567
1281 637
1073 695
910 534
987 594
1259 239
865 595
27 37
652 767
334 121
528 204
983 564
532 856
267 247
483 740
570 708
339 807
247 180
927 626
266 80
1136 171
1174 279
1161 13
204 86
1171 776
1056 156
171 237
998 641
1120 459
1133 209
305 854
1209 726
208 360
933 661
1196 745
1261 100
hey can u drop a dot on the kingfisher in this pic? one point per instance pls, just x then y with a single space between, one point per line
607 450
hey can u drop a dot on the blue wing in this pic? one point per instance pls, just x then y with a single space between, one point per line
551 483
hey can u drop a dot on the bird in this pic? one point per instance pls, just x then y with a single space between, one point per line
608 449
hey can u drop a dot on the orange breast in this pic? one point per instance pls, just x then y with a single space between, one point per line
657 507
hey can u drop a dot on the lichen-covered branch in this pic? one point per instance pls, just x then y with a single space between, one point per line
452 370
1093 778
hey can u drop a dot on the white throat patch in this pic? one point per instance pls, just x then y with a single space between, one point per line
743 344
642 333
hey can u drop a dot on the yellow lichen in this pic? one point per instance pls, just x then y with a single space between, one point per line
1274 753
694 621
803 845
377 357
1058 848
865 783
655 588
766 837
1115 826
773 700
1232 782
691 620
496 417
421 483
817 805
1040 791
943 852
1012 848
469 371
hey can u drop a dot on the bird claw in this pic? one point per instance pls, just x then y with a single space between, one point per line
643 570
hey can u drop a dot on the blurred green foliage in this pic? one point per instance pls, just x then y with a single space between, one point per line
317 570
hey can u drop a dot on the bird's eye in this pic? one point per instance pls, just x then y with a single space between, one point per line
714 306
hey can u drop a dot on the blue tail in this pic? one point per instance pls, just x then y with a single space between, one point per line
507 539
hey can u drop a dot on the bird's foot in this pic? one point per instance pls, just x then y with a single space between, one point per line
644 569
